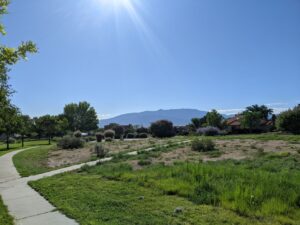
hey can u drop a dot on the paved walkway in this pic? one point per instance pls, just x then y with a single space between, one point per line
24 203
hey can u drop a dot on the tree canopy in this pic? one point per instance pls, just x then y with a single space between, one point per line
214 119
8 57
81 116
263 110
289 120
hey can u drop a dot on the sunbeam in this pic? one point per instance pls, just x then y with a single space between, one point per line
132 8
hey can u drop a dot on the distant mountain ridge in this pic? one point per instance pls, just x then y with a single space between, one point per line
179 117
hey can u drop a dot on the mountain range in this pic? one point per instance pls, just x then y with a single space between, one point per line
179 117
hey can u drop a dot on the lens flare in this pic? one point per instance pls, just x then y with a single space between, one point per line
133 9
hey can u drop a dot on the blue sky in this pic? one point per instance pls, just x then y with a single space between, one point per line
135 55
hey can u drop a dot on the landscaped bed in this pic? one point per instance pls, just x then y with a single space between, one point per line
261 191
50 157
47 158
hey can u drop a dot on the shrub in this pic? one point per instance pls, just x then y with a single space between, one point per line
108 139
119 131
142 130
142 135
143 162
209 131
131 135
99 136
100 151
77 134
69 142
182 130
109 134
203 145
289 121
162 129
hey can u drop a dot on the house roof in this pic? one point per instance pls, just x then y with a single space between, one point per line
235 121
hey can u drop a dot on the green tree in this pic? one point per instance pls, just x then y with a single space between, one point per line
264 111
10 56
119 130
62 125
9 114
9 121
26 126
81 116
47 125
198 122
289 120
214 119
250 120
162 129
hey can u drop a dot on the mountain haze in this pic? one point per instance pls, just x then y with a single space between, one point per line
179 117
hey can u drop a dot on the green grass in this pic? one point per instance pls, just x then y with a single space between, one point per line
17 146
5 218
92 200
263 137
33 161
263 191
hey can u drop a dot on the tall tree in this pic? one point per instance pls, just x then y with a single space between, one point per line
8 57
198 122
9 121
48 125
289 120
251 120
264 111
214 119
81 116
25 126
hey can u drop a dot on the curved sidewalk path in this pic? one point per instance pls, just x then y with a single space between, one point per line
26 205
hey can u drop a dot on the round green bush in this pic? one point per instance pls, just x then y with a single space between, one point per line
162 129
131 136
109 134
203 145
69 142
142 135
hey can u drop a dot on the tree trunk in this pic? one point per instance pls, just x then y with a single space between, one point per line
49 140
7 142
22 141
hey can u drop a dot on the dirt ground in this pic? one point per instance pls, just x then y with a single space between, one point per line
62 157
227 149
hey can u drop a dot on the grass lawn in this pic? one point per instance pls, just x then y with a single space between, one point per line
17 146
33 161
263 137
262 191
5 218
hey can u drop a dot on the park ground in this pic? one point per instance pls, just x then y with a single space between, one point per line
247 179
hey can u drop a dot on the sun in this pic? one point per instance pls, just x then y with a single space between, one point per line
115 3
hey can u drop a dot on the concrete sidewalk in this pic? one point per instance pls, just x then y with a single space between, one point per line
25 204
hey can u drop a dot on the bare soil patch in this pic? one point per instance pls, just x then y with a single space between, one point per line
228 149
